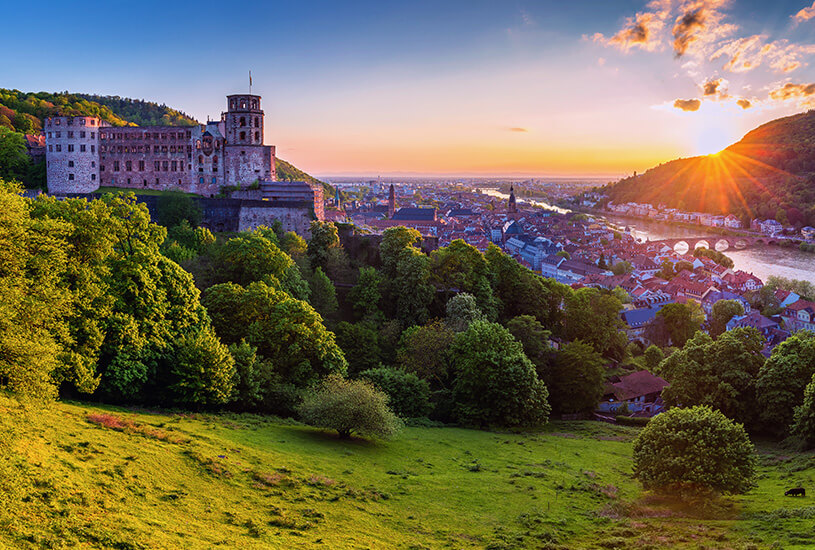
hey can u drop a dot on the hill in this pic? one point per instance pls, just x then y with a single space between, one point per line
80 475
288 172
770 173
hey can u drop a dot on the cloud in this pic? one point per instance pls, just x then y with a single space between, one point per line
711 87
688 104
792 91
745 54
744 103
805 14
699 25
642 30
517 129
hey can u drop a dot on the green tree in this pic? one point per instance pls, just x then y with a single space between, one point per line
360 344
594 317
682 321
283 329
495 384
349 406
622 267
576 378
173 208
253 376
460 267
535 341
293 244
13 157
202 370
720 373
365 296
783 379
694 449
653 357
803 426
425 351
394 241
462 310
723 311
324 237
408 395
323 294
411 290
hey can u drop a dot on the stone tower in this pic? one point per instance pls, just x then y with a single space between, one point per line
391 202
72 153
246 158
512 207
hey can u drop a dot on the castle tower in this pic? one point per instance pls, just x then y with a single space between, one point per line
391 202
72 154
512 207
246 158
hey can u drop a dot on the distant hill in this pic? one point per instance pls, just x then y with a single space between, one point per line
770 173
24 112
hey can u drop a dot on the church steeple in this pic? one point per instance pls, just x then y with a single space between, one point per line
391 202
512 207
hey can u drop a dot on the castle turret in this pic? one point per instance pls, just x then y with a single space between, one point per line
512 208
391 202
247 159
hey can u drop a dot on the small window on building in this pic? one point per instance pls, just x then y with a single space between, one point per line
59 148
156 166
93 164
257 122
243 136
93 135
129 166
93 177
201 181
70 148
50 148
93 148
141 166
115 165
49 134
70 176
57 122
93 123
70 134
165 165
59 134
70 164
243 121
101 167
82 123
82 148
174 166
214 180
200 159
81 134
257 136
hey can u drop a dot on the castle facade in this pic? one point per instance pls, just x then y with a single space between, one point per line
84 153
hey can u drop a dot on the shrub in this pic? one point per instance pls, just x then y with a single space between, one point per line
694 449
349 406
409 396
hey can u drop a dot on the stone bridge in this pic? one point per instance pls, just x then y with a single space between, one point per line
716 242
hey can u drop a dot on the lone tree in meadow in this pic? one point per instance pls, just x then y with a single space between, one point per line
694 449
349 406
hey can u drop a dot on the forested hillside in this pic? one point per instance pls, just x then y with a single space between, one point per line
770 173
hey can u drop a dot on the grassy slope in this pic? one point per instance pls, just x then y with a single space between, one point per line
199 481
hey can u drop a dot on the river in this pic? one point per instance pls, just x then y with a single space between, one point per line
762 261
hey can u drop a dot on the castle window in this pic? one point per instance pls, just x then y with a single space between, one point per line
93 177
243 136
157 166
141 166
59 134
172 148
128 181
101 167
231 103
93 148
59 148
81 134
254 103
163 148
115 165
155 149
70 164
163 136
156 181
214 180
70 134
129 166
82 148
93 123
57 121
70 176
200 159
70 122
243 121
82 122
165 165
70 148
174 166
189 135
201 181
93 164
257 122
243 104
93 135
257 136
50 148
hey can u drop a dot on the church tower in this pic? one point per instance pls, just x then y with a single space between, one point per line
391 202
247 159
512 207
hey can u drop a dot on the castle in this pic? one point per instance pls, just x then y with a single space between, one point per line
85 152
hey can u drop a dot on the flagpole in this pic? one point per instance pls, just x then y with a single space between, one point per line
250 82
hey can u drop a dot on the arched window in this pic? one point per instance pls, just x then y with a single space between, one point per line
201 181
257 122
243 135
243 121
257 136
254 103
200 159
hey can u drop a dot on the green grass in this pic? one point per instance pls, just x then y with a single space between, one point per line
140 191
87 476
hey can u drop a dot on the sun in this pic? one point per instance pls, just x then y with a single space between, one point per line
711 140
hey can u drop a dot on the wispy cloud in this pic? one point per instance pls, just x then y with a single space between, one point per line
745 54
642 30
517 129
688 104
744 103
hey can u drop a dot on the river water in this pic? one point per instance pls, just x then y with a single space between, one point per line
762 261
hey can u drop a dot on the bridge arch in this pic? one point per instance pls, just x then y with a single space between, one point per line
701 244
721 245
681 247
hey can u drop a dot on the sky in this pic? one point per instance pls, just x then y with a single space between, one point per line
509 87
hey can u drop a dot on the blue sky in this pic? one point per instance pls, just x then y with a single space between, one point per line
530 87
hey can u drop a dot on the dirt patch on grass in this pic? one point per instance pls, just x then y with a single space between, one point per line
121 424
